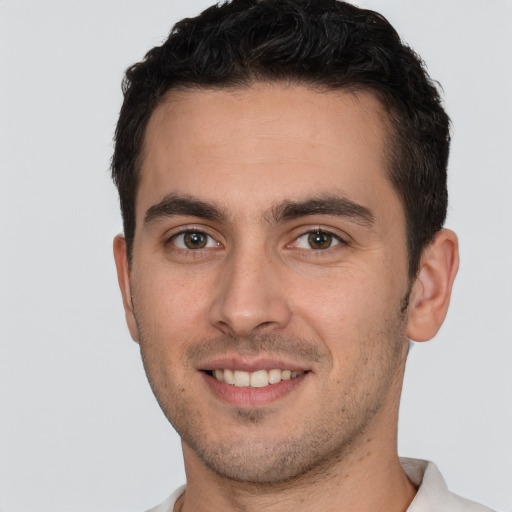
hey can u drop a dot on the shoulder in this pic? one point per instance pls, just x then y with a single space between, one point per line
433 494
168 504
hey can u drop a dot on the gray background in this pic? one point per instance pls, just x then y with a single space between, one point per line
79 428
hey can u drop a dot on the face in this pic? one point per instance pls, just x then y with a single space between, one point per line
268 279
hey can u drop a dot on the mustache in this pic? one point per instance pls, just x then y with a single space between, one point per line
250 346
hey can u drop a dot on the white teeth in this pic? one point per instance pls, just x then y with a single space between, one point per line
229 377
257 379
242 379
274 376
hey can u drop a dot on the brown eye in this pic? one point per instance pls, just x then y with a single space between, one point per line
193 240
320 240
317 240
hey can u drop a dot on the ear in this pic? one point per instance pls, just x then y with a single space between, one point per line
123 277
431 291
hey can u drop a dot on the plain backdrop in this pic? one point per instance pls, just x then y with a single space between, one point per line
79 427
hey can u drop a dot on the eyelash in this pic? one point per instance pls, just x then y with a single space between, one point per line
190 232
333 239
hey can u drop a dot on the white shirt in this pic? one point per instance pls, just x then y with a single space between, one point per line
432 495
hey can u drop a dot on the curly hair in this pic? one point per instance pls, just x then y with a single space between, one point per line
325 44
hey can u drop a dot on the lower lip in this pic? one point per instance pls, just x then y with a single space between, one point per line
252 397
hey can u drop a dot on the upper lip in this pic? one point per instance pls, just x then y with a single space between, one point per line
251 364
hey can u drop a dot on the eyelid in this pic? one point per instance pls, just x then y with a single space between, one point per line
341 239
169 237
333 239
181 245
306 230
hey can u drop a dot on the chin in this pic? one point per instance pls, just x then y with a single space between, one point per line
262 461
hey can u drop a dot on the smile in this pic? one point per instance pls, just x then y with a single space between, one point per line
256 379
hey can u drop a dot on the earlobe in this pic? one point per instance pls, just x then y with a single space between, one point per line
431 291
124 279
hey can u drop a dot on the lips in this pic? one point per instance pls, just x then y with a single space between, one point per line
252 382
255 379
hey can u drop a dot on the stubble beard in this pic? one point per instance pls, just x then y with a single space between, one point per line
316 446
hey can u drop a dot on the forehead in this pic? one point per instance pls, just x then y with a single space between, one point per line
263 143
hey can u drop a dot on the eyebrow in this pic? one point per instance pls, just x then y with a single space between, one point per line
324 204
173 205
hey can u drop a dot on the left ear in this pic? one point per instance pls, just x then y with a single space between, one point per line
431 291
123 276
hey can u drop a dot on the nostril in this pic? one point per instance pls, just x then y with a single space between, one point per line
262 325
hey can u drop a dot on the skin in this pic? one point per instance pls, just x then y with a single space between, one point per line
259 294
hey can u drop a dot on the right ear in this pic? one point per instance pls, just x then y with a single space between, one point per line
124 279
430 295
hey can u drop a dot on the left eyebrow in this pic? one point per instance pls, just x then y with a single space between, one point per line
339 206
174 205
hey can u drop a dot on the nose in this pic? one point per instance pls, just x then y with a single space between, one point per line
250 297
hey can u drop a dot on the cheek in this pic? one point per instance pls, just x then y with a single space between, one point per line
165 310
343 297
347 310
171 299
170 312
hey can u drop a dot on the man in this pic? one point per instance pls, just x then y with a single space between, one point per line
281 166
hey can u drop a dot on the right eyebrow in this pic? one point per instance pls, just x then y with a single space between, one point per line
174 204
324 204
